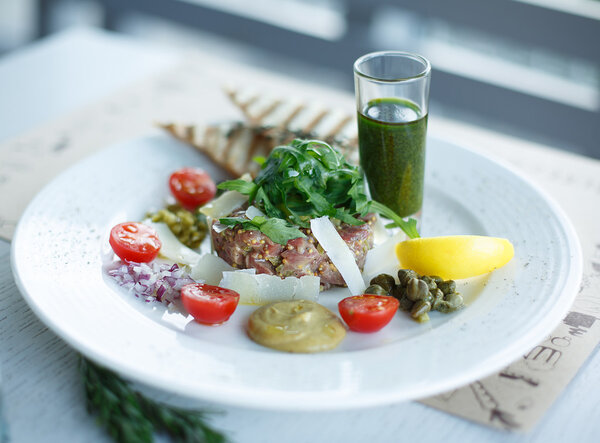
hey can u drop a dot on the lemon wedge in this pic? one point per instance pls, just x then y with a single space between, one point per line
454 257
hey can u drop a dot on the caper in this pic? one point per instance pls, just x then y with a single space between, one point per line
438 297
451 303
447 286
376 290
454 299
404 275
416 289
437 279
398 292
406 304
444 307
423 318
187 220
429 297
419 308
431 284
170 218
386 281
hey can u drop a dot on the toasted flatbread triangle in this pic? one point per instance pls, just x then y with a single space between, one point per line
271 121
233 146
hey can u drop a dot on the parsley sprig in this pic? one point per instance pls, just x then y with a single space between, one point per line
308 179
130 417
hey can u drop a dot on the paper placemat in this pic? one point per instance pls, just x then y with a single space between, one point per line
516 397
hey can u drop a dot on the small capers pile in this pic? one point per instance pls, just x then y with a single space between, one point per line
418 294
188 227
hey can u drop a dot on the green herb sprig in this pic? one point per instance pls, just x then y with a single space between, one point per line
129 417
308 179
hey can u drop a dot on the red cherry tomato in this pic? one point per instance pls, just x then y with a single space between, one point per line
135 242
209 304
192 187
368 313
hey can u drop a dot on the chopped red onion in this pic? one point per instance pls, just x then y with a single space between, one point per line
156 281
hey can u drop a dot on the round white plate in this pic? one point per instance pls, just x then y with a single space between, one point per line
62 237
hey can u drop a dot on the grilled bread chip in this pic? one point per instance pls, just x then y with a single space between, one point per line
271 122
233 145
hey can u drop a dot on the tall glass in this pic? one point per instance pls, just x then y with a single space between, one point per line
392 95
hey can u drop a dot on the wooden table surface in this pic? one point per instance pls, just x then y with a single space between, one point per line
41 390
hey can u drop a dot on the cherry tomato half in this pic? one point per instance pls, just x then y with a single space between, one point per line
368 313
209 304
192 187
134 242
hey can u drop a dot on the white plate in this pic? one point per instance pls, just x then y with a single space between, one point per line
61 238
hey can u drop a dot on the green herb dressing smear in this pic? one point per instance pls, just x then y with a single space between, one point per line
391 135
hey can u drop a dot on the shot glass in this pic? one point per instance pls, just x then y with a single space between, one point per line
392 95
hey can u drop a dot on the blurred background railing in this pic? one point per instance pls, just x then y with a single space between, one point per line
529 68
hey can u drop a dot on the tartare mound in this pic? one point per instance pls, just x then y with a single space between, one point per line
246 249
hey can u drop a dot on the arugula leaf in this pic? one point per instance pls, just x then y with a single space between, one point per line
259 159
244 222
278 230
309 179
408 226
346 217
239 185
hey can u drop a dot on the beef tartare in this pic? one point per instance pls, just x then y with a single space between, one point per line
245 249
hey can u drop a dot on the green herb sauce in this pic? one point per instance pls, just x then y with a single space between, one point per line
391 134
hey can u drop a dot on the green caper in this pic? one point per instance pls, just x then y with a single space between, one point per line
416 289
404 275
454 299
187 220
386 281
419 308
437 279
431 284
438 297
406 304
444 307
375 290
447 286
398 292
423 318
451 303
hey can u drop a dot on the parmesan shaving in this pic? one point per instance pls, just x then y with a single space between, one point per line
172 248
262 288
253 211
226 203
210 268
338 252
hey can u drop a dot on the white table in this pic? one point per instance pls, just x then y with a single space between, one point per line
42 392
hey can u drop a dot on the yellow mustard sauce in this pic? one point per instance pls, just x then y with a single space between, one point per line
296 326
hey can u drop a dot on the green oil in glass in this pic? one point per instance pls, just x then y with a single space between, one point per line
391 135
